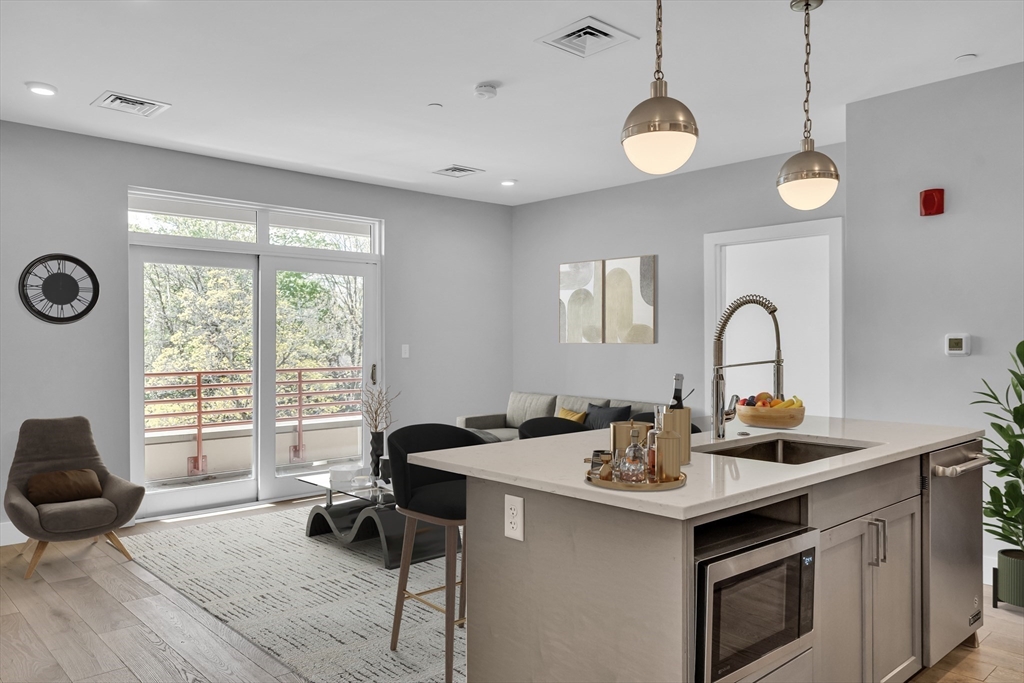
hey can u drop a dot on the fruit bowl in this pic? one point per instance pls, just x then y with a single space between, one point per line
771 418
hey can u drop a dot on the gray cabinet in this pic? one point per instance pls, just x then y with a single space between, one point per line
868 598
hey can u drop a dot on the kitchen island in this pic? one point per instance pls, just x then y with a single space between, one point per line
604 585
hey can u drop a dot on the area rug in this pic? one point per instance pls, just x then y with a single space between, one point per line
322 608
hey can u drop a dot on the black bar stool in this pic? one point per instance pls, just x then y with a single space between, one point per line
437 497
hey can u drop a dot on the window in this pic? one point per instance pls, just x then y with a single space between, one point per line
253 328
268 229
163 216
303 230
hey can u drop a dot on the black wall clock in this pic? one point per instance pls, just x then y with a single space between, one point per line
58 288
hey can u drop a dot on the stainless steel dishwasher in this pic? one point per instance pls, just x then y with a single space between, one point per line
952 555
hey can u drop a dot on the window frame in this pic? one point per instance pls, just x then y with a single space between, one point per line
262 245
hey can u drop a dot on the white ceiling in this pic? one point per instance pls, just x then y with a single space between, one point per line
341 88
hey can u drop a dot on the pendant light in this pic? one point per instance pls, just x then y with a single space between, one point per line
808 179
660 133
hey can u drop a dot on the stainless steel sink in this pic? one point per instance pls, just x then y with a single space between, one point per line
786 451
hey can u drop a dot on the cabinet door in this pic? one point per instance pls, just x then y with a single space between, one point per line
896 594
842 603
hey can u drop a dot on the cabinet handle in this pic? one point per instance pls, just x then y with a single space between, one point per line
884 535
976 462
878 542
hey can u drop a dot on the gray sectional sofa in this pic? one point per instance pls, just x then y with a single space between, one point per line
523 406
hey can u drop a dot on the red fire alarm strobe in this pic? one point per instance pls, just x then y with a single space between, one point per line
933 202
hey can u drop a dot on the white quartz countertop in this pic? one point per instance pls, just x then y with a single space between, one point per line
556 464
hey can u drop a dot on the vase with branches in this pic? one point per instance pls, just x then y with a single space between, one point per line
1005 504
377 416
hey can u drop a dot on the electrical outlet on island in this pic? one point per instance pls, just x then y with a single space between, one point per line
514 517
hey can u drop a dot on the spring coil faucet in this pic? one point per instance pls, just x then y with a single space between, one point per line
721 414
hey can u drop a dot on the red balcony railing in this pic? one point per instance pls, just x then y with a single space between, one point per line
209 399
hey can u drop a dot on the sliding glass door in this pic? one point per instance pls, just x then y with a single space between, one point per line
248 372
318 322
195 392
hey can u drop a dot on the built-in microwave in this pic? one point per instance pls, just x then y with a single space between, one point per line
755 596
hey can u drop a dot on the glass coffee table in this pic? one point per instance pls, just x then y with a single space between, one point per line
366 512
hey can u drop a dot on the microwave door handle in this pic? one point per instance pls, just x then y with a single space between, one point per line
874 562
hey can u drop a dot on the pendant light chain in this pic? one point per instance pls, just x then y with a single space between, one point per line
807 70
658 75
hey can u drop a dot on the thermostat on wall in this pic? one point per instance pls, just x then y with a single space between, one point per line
958 344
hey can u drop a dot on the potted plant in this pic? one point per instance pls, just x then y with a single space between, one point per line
377 416
1006 505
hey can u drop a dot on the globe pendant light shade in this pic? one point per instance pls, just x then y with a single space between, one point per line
808 179
660 133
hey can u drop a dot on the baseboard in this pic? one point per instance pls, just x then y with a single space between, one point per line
10 535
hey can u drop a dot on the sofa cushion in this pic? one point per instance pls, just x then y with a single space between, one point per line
76 515
602 418
523 406
636 406
62 486
505 434
578 404
567 414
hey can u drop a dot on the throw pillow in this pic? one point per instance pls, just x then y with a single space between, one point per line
602 418
63 486
567 414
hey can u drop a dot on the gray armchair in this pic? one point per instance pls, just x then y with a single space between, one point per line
66 444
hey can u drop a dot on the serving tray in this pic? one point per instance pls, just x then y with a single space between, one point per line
594 480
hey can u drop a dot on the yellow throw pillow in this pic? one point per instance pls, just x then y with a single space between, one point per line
570 415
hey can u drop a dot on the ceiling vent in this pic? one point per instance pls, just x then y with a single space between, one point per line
456 171
586 37
130 105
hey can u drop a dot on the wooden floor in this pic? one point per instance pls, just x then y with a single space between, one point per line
1000 659
89 615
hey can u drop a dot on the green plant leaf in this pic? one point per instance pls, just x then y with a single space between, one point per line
1020 353
1018 416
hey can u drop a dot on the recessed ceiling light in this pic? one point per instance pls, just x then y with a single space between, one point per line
970 56
41 88
509 183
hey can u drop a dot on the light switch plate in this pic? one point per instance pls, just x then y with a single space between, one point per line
514 517
405 350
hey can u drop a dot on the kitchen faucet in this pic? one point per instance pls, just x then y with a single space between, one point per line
721 414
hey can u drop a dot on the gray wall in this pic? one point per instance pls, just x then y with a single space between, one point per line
667 217
910 280
448 279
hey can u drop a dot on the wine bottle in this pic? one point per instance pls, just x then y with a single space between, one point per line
677 392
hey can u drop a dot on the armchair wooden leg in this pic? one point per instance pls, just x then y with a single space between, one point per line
116 542
28 546
451 540
403 577
462 589
35 558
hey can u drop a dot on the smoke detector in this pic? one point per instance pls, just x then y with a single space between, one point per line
485 91
130 104
457 171
586 37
